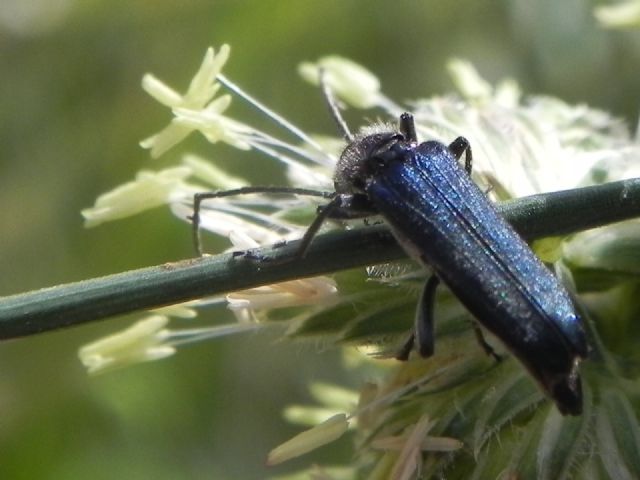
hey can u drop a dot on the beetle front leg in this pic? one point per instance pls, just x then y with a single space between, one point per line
341 207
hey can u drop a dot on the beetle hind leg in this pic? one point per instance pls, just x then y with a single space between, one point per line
422 334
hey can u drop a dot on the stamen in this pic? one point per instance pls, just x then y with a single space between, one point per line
270 113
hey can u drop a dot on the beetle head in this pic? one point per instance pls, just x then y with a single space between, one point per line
368 152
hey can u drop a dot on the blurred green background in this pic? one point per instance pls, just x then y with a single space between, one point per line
71 115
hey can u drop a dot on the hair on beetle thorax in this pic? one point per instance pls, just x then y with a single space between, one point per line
359 158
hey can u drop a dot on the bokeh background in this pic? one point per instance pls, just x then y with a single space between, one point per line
71 115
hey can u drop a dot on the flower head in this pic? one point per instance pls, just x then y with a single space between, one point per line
350 81
142 342
148 190
419 415
199 96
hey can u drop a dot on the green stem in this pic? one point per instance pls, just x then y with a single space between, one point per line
552 214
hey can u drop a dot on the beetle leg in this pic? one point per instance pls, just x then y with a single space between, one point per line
199 197
424 317
422 334
488 349
459 146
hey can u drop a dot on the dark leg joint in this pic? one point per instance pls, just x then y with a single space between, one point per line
407 347
488 349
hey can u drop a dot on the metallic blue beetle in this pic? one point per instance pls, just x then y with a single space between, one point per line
442 219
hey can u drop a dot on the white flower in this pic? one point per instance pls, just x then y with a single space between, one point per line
468 81
305 291
520 147
215 126
148 190
148 339
142 342
349 81
201 91
308 291
620 15
208 172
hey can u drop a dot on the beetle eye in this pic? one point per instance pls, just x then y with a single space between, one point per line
385 145
358 182
384 152
379 161
392 140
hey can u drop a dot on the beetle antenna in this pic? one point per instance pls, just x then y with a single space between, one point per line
333 106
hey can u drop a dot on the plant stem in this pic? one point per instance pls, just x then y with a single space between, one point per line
552 214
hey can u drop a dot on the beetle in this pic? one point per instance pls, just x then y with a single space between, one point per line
444 221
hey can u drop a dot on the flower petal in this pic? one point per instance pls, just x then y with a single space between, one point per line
167 138
203 87
469 83
350 81
161 91
148 190
143 341
208 172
